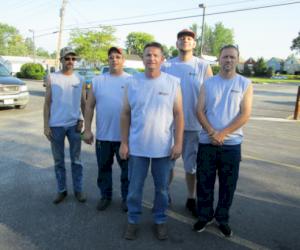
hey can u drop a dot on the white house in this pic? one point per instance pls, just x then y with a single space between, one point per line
292 65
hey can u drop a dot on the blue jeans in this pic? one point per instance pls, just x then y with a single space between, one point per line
138 170
58 152
226 161
105 151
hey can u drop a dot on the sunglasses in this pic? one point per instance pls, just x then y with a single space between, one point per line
70 58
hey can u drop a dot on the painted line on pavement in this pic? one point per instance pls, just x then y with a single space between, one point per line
295 167
272 119
212 230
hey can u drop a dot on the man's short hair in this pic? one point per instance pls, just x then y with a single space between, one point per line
230 46
155 45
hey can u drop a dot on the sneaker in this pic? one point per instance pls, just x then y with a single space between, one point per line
60 197
131 232
80 197
225 230
191 206
103 204
161 231
124 206
200 226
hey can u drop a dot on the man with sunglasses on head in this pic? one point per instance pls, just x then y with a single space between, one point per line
107 96
64 97
191 71
224 107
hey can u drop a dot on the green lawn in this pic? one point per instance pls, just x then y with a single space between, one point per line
268 80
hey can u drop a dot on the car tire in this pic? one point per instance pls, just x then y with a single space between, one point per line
20 106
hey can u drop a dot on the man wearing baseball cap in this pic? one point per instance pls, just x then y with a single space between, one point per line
192 71
107 96
64 98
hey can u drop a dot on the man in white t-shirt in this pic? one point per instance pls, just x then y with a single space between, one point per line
191 71
152 108
107 96
65 95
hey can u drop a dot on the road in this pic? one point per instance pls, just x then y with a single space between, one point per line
264 215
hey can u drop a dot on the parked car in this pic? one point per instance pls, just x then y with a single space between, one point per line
131 71
87 74
13 91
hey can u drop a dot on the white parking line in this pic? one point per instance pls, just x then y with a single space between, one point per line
295 167
212 230
273 119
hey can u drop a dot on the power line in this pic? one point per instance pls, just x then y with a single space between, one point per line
157 13
208 14
184 17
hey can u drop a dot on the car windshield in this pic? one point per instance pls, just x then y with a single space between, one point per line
3 71
131 71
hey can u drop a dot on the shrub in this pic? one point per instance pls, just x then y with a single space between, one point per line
260 67
32 71
215 69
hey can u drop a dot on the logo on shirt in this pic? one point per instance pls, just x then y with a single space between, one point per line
75 85
235 91
163 93
192 73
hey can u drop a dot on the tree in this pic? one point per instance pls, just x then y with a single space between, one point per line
93 45
135 42
214 38
260 67
42 52
173 52
11 42
296 44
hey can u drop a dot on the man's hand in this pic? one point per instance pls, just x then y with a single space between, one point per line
47 133
88 137
217 138
176 152
124 151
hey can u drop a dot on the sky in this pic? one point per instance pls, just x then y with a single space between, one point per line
266 32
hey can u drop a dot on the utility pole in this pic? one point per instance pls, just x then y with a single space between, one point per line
61 15
202 6
33 41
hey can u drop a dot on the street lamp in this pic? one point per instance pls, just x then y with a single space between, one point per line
202 6
33 40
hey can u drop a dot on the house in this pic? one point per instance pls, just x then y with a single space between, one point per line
276 64
133 61
292 65
14 63
212 60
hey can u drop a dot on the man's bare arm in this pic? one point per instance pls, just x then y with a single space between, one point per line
47 105
179 126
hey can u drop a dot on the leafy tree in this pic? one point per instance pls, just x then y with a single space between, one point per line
214 38
173 51
260 67
93 45
296 44
42 52
11 42
135 42
166 51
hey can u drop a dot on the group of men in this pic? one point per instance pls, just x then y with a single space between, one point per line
151 118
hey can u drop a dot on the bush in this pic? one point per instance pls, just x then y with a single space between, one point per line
270 72
260 67
215 69
32 71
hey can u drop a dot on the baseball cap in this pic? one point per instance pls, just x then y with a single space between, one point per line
186 32
115 49
67 50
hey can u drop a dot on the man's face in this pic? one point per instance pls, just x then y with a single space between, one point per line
115 61
229 59
185 43
68 61
153 58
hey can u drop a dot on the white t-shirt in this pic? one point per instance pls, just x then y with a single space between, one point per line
152 102
191 74
65 99
109 91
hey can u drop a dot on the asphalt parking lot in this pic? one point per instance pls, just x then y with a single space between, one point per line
265 213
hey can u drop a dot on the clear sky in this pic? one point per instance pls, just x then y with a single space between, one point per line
264 32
